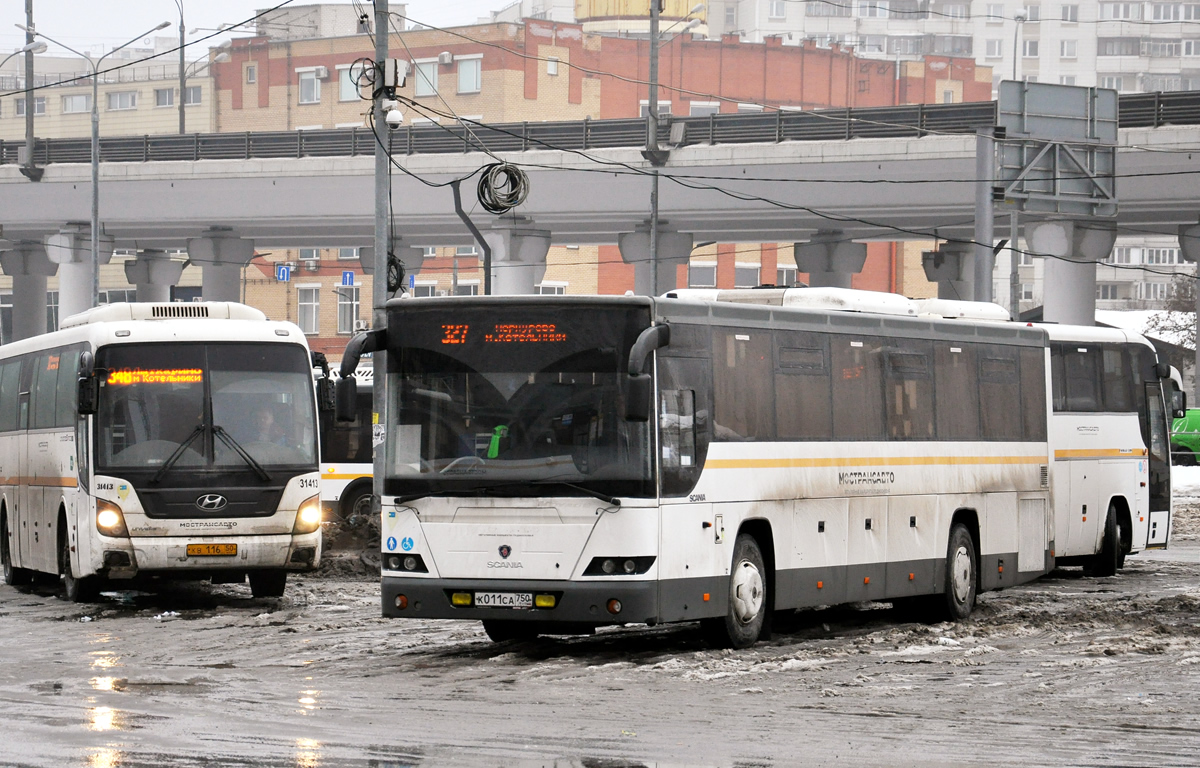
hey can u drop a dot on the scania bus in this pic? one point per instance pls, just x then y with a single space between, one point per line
169 440
555 464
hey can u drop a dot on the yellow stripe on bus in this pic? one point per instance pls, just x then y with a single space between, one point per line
328 476
1097 453
873 461
42 482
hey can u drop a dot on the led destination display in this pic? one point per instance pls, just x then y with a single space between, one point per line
125 377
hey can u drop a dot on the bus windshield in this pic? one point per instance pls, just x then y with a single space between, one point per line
204 402
514 400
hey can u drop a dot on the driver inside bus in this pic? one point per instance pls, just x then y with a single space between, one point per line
264 428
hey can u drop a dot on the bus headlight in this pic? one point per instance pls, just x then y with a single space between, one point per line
109 520
308 516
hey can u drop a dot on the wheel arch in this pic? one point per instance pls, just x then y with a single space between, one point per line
351 492
760 530
969 518
1120 505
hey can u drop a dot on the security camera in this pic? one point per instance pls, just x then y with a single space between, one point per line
394 117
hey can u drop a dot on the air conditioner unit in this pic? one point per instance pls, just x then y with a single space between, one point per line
321 73
312 265
445 58
360 325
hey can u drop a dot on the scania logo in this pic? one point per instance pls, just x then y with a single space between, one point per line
505 551
212 502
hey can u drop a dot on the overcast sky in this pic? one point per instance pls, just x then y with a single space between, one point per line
88 24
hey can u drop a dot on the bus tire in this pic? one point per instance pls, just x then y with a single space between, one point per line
356 507
1182 457
84 589
1107 561
268 583
13 576
500 630
743 622
958 595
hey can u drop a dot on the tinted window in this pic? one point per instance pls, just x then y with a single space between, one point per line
957 391
908 391
68 388
1118 380
1079 379
10 386
999 393
744 407
857 397
803 408
45 388
1033 393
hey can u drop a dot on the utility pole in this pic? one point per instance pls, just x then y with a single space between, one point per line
652 151
382 247
182 74
30 171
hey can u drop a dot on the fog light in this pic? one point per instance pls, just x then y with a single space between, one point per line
114 559
410 563
614 606
609 566
401 602
543 601
461 598
629 566
393 563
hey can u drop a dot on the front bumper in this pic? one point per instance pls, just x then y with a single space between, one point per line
301 552
579 603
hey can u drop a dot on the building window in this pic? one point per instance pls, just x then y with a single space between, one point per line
1066 49
1122 255
118 296
1070 13
1025 259
348 82
1029 49
122 100
346 254
1120 11
552 66
873 9
51 311
425 76
1032 13
310 88
704 108
1106 291
1153 291
470 75
466 250
192 95
1118 46
1116 82
1066 79
429 252
994 49
947 97
164 97
1026 291
1162 48
1167 11
1163 256
467 289
731 17
79 103
251 73
310 254
1190 48
552 289
745 275
664 108
424 289
347 308
749 108
6 318
778 9
702 274
785 276
39 106
309 302
995 13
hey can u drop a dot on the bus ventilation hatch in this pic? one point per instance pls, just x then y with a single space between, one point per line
179 310
1045 476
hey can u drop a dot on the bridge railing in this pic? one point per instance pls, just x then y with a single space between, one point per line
1136 111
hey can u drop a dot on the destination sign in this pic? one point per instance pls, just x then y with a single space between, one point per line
507 333
126 376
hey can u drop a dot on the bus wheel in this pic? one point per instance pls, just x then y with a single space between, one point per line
358 512
268 583
959 591
1107 561
77 590
743 622
1182 457
13 576
500 630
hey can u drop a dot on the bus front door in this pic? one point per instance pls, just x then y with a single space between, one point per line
1160 469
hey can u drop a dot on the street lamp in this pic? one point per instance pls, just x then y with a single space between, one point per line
182 77
1019 19
37 47
95 142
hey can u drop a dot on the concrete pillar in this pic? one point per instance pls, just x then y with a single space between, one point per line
153 273
1071 249
71 249
952 267
221 256
830 259
518 256
674 248
29 267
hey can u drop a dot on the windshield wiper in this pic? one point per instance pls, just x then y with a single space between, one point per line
170 462
613 500
468 492
229 441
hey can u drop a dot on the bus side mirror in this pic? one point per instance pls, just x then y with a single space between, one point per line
325 395
346 405
1178 404
638 398
88 394
1162 370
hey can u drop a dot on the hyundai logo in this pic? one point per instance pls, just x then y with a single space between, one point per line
212 502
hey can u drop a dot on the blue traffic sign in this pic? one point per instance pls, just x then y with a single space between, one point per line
412 282
283 273
347 278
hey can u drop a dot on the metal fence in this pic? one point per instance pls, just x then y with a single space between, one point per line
1136 111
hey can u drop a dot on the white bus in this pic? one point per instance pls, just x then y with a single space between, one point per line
159 440
555 464
346 457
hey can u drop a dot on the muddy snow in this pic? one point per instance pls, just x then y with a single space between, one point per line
1069 670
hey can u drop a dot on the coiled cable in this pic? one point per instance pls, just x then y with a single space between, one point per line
502 187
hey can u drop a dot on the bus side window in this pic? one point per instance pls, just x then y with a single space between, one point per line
1081 377
743 392
803 401
857 390
908 394
1118 376
10 386
68 390
999 392
1033 393
45 388
957 391
683 422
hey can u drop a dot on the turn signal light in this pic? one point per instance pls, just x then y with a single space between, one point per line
109 520
401 602
461 598
614 606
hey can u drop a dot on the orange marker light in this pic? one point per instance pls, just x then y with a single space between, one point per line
1085 518
820 585
706 597
911 576
1002 569
866 579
